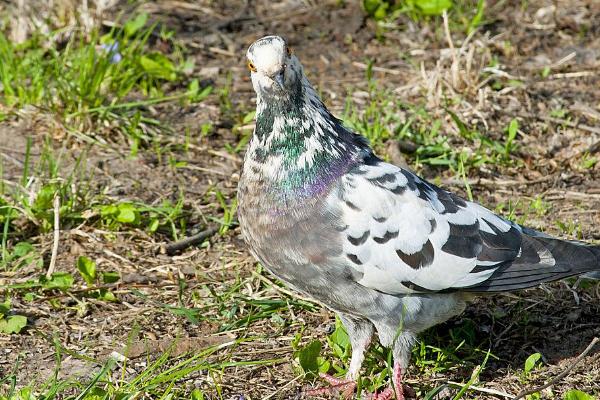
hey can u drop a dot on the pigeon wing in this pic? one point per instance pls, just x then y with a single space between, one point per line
404 235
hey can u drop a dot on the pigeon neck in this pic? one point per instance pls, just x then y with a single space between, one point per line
298 146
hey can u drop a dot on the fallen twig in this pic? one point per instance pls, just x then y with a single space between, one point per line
117 287
565 122
56 237
558 377
198 238
493 392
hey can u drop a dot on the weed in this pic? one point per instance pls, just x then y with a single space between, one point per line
531 363
167 218
588 161
575 394
10 323
161 378
241 128
570 228
229 209
29 206
89 81
379 121
465 15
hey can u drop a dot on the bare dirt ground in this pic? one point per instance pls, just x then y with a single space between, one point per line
559 124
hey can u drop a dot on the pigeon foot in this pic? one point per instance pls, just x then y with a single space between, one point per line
344 387
394 391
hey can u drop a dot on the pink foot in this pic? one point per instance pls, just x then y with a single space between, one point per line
394 391
343 387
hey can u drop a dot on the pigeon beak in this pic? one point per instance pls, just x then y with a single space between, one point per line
280 79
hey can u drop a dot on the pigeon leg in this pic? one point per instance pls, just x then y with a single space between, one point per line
360 331
395 390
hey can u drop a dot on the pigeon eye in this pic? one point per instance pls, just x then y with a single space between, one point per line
251 66
288 50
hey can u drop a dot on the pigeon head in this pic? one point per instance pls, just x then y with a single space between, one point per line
274 69
299 148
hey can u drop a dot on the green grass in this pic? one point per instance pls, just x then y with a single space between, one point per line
166 377
106 103
464 15
460 150
96 81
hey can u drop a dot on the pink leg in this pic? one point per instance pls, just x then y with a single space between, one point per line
397 380
345 387
395 390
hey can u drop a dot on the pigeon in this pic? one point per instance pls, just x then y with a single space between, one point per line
390 253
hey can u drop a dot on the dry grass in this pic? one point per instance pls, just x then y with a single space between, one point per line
536 63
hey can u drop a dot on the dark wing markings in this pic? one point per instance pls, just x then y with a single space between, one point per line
386 238
357 241
419 259
464 240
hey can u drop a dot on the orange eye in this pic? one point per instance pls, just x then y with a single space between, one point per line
251 66
288 51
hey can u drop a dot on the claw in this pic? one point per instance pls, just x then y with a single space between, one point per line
394 391
344 387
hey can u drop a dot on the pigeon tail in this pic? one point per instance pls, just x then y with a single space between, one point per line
542 259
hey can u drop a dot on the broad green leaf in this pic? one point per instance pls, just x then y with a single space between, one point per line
44 197
128 213
110 277
135 24
308 357
24 254
193 88
22 249
513 127
58 280
249 117
371 6
433 7
4 308
324 365
203 93
106 295
197 394
87 269
13 324
154 224
574 394
340 341
531 362
109 210
158 66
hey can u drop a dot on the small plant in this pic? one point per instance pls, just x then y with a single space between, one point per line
570 228
90 82
531 363
167 217
588 161
10 323
87 270
465 15
417 9
574 394
509 145
21 255
228 211
310 360
114 215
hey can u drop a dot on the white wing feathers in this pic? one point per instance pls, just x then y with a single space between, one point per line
405 235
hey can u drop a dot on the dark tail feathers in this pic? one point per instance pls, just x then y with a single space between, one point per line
543 259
